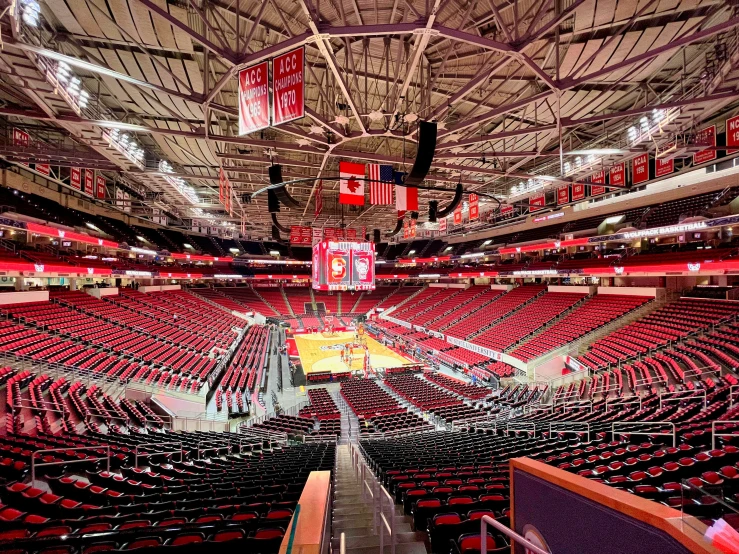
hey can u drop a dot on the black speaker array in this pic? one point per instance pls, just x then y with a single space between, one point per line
433 208
273 203
376 236
455 202
424 154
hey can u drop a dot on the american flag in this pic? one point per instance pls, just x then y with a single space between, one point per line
381 184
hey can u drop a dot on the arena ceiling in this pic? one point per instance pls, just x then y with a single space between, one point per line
519 89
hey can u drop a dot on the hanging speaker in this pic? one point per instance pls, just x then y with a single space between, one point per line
277 224
455 202
273 203
275 233
433 208
275 174
376 236
414 215
424 154
398 227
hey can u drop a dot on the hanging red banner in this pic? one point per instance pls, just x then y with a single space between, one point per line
100 187
43 168
732 133
474 206
705 137
536 202
506 209
89 182
458 215
21 138
253 98
617 175
578 192
598 177
413 229
442 225
406 230
319 199
563 194
288 86
640 169
663 167
75 178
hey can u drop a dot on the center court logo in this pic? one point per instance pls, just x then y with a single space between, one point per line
330 347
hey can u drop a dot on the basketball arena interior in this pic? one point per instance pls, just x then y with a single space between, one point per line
369 276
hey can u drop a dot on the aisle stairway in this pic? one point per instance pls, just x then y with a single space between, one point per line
353 516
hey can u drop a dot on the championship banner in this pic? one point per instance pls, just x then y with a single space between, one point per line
43 168
221 184
732 134
458 215
75 178
412 230
474 206
617 175
253 98
100 187
506 209
442 225
296 234
351 234
600 178
663 167
306 235
21 138
288 86
705 137
317 235
89 182
319 199
578 192
563 194
640 169
536 202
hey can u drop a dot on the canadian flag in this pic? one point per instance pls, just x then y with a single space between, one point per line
351 185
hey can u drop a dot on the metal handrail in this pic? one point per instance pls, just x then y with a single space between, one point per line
642 423
34 465
376 491
714 434
138 455
487 520
555 426
674 396
624 402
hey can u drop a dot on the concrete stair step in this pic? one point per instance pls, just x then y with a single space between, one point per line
404 548
374 540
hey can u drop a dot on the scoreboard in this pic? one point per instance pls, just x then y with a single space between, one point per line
343 265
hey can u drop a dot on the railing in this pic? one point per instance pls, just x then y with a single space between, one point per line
529 547
529 426
138 454
277 436
733 394
577 404
714 434
679 396
34 465
372 488
569 427
628 425
624 402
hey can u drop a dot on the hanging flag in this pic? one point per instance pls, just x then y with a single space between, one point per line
221 184
351 185
474 206
381 184
75 178
319 199
458 215
412 230
406 198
